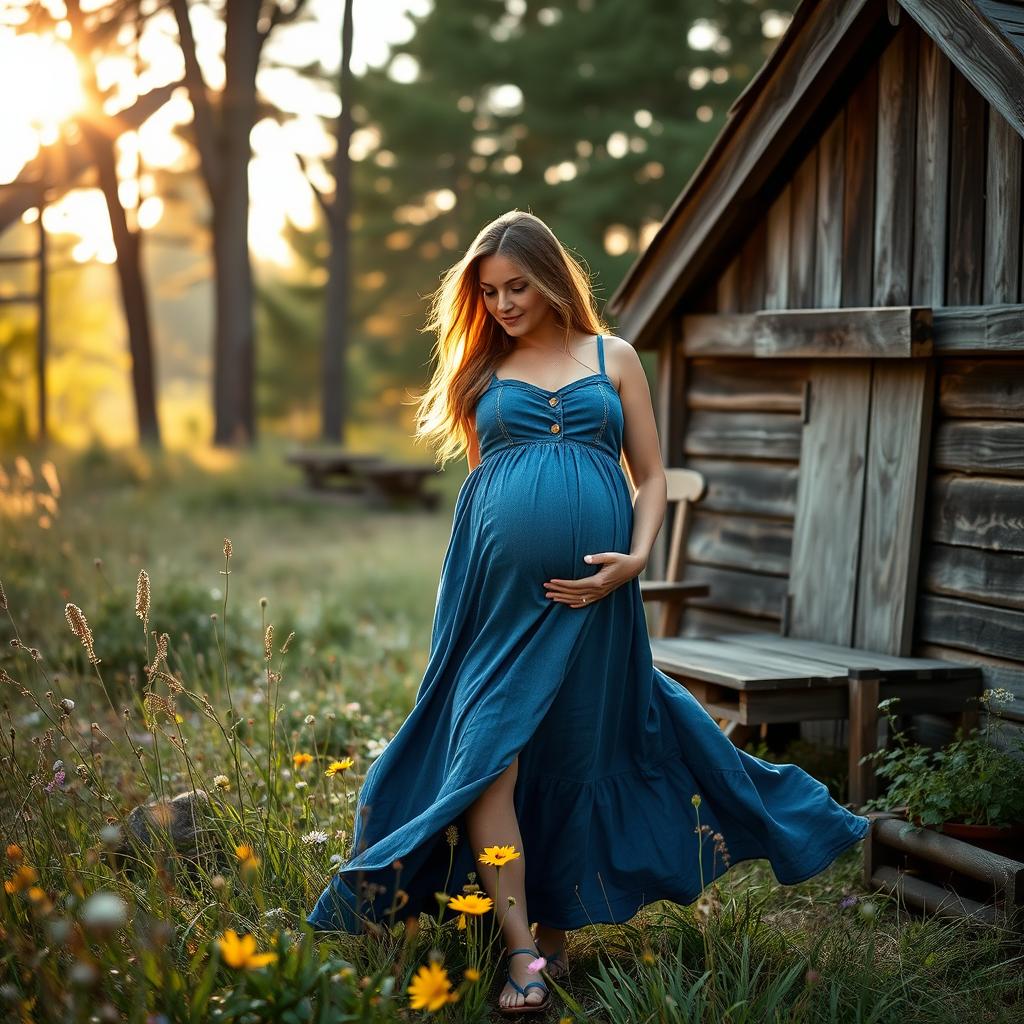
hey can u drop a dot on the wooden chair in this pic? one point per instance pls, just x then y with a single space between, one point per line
685 486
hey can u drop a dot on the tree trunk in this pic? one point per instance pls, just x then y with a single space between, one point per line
234 347
134 300
334 399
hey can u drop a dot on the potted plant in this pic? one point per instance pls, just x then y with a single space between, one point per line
968 789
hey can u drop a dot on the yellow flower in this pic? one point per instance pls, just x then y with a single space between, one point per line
498 855
472 974
430 989
22 878
14 852
339 766
461 922
648 956
249 862
301 759
471 903
240 951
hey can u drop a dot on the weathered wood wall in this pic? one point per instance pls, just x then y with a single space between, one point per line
913 194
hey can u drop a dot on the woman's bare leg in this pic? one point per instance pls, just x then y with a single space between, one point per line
491 821
552 940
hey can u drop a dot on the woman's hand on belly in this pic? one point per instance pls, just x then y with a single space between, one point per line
618 568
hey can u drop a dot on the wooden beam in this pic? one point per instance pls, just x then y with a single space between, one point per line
961 330
902 396
829 502
981 53
886 332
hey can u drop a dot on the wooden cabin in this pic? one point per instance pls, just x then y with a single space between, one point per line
851 247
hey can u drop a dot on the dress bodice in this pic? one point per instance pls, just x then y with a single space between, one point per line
585 411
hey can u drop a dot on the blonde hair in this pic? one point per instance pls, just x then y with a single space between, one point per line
471 343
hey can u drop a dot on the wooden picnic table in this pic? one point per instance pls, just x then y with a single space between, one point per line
382 480
749 678
390 482
321 466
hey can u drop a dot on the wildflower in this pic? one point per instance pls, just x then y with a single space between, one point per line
222 782
535 965
268 642
239 951
472 974
67 705
376 747
57 780
80 627
338 766
142 597
301 758
301 784
227 548
318 838
14 853
461 922
847 901
648 955
430 988
471 904
277 917
22 878
695 799
248 861
110 835
288 640
309 719
451 835
497 856
103 910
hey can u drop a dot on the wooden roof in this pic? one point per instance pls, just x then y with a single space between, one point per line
810 66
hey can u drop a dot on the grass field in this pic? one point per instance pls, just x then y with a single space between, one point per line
101 713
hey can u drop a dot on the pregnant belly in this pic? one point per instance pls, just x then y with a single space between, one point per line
544 506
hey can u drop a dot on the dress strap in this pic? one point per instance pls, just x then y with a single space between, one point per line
600 352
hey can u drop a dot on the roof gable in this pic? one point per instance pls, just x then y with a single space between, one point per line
983 39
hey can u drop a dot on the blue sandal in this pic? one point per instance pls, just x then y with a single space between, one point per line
524 1007
555 958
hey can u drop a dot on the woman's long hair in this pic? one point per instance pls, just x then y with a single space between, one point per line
471 343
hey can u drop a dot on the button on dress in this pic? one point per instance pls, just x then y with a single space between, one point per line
611 750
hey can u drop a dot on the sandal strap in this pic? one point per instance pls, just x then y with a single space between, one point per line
522 991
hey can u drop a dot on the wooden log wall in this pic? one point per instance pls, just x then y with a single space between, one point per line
912 194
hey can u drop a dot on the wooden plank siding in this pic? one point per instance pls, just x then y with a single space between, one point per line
911 195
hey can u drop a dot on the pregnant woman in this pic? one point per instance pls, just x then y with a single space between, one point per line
541 721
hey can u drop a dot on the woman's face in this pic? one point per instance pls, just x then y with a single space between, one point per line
509 297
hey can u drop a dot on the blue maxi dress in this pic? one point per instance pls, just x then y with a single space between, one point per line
611 750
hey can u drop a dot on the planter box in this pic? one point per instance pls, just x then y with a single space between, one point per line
940 875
